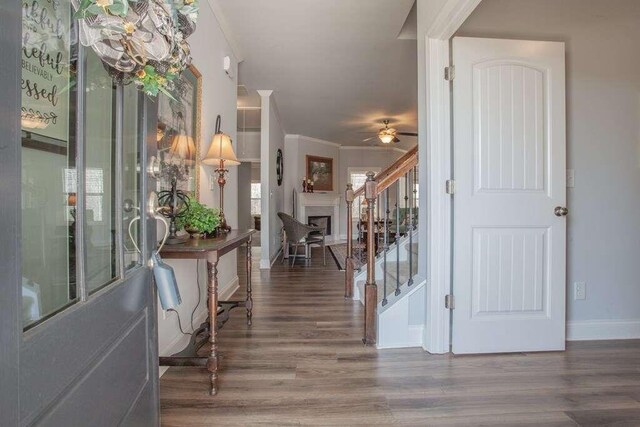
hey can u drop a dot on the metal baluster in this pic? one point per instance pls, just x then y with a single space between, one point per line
397 239
386 247
411 174
397 236
406 199
360 225
376 226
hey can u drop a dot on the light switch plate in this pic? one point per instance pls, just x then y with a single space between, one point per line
571 178
579 290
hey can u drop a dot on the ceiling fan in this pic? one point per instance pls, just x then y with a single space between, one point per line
388 135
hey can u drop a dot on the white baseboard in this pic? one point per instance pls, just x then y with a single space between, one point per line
606 329
266 264
225 292
180 340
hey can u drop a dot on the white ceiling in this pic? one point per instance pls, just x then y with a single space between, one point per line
337 67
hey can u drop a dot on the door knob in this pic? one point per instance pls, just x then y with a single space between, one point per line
561 211
153 168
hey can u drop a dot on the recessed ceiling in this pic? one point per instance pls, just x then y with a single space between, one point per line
337 67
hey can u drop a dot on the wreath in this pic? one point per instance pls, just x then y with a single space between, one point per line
139 41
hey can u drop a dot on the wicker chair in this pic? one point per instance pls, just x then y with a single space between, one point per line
299 234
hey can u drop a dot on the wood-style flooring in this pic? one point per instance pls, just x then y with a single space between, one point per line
302 362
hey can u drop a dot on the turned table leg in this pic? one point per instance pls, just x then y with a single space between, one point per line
249 303
212 288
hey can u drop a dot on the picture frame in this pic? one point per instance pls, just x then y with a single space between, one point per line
320 171
179 131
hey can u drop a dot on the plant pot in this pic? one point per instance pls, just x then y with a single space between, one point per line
193 233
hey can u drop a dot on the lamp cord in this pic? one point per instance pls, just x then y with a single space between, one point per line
193 312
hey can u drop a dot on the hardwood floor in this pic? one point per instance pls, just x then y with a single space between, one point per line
302 362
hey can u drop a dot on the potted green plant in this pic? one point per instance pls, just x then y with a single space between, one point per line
199 220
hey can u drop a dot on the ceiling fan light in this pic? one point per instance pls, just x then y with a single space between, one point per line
386 138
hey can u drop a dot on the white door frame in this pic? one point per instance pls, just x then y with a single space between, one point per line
434 128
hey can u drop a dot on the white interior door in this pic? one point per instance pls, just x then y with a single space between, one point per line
509 166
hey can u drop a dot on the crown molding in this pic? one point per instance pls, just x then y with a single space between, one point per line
355 147
266 95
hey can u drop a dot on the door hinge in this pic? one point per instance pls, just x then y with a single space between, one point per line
450 186
450 73
449 302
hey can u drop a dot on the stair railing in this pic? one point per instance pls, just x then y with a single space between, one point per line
377 191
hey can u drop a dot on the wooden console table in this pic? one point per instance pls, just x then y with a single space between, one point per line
211 250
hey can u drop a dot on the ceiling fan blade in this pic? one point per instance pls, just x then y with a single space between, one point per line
369 139
395 139
408 133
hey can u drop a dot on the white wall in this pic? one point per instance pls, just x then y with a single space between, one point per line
248 146
272 139
219 96
603 139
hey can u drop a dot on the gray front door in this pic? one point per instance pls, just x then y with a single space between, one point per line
78 341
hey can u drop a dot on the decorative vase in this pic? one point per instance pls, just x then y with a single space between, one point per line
304 185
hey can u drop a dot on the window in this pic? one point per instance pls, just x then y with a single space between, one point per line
56 153
256 198
357 178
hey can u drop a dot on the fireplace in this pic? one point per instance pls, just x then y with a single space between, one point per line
321 205
312 218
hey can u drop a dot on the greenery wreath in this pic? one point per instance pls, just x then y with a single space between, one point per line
139 41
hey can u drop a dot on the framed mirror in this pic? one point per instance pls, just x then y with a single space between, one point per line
178 133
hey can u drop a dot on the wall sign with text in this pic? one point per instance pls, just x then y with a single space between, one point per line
46 70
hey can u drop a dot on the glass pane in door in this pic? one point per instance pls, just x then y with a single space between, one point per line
100 158
48 160
131 176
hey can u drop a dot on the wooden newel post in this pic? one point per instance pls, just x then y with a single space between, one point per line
370 287
348 262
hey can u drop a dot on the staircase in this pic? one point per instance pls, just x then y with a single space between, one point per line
392 285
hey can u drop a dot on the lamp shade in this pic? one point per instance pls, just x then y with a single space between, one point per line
183 146
221 149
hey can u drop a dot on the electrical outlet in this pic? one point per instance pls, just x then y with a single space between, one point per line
579 290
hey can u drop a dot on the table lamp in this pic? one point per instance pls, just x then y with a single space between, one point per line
221 154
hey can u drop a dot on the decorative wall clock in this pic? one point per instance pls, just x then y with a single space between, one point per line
279 166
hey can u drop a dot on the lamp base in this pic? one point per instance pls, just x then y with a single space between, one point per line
176 240
223 227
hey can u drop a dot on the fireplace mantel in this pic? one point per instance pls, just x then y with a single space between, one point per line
307 200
